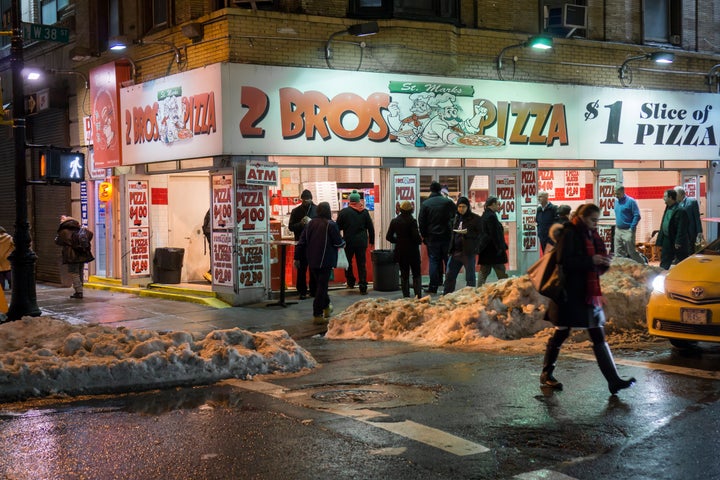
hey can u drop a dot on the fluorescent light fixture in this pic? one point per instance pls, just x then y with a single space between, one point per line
118 44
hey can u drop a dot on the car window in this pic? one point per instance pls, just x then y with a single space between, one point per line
712 249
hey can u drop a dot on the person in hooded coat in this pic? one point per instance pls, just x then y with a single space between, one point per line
73 256
492 248
358 230
463 246
403 232
318 244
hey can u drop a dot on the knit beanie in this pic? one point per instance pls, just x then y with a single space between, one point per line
306 195
354 196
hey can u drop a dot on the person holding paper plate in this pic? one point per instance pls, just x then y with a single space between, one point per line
463 246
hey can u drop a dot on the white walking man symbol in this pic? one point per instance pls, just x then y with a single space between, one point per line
75 168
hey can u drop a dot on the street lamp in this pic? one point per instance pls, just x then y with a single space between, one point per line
624 72
537 42
24 297
358 30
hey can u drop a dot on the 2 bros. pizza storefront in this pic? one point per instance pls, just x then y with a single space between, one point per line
244 140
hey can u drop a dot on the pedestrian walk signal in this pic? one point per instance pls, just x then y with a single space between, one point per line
62 166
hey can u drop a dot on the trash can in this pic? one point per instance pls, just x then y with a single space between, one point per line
167 265
386 273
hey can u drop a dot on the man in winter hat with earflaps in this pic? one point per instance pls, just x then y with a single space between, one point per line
299 218
403 232
358 230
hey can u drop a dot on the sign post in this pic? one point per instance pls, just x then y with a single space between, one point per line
23 259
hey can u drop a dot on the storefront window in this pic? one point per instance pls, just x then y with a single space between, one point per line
433 162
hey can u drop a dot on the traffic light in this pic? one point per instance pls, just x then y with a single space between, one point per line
61 166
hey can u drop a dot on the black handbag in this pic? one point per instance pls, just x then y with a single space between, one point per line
547 277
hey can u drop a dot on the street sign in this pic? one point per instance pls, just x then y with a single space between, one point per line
49 33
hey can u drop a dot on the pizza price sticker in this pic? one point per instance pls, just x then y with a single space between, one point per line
222 208
251 208
138 203
139 252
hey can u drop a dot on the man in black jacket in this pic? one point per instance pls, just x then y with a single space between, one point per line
435 219
403 232
299 217
544 218
358 229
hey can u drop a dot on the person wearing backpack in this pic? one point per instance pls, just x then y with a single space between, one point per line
76 251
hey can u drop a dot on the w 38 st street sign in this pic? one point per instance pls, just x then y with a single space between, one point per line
48 33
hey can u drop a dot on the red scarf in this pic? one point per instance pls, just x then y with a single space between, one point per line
593 245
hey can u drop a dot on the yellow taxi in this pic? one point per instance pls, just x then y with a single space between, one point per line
684 306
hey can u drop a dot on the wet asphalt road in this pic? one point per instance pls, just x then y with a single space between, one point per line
377 410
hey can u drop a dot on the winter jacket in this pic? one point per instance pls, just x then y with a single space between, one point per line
319 242
544 218
7 245
403 232
465 244
297 214
677 233
435 218
357 227
492 249
577 264
64 239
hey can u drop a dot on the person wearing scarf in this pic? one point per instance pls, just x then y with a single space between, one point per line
583 257
357 228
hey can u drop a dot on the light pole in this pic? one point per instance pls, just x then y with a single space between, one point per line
24 298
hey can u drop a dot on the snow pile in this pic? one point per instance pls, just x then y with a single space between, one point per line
42 356
509 309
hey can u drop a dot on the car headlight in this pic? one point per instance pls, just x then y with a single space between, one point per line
658 284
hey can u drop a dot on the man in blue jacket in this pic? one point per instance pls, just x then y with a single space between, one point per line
627 217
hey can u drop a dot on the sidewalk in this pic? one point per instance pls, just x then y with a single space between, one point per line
117 308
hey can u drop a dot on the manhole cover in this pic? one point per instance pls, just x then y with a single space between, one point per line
354 395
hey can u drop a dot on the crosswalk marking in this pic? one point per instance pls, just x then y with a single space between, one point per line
408 429
543 475
690 372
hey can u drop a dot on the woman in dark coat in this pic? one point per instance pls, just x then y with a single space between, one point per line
583 257
492 249
463 246
404 233
318 245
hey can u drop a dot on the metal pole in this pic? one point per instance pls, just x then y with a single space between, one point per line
24 297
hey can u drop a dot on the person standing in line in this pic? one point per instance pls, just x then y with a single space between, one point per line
207 232
672 236
318 244
74 255
544 218
435 222
692 208
403 232
492 248
463 246
7 245
627 217
299 218
555 228
358 230
583 257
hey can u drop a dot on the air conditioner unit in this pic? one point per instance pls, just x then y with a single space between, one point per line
567 16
